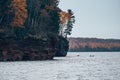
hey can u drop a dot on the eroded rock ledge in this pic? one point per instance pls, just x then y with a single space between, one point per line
33 30
13 49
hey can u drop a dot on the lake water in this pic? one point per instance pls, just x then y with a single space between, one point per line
76 66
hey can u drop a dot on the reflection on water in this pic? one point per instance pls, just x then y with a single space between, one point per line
76 66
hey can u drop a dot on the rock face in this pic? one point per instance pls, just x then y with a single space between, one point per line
28 49
62 47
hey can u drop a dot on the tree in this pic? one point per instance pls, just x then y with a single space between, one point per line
64 17
18 8
70 23
67 21
42 15
13 14
5 16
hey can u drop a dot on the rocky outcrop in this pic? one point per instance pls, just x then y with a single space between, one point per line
62 47
29 30
12 49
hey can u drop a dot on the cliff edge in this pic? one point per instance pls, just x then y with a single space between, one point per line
32 29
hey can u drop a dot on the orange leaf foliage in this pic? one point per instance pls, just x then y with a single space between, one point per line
18 7
64 16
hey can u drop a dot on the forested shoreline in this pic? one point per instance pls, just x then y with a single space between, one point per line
94 45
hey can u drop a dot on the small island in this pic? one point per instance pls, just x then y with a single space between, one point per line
33 30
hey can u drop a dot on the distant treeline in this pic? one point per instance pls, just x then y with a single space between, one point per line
93 45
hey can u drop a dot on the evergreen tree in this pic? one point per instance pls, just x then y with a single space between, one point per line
70 23
5 14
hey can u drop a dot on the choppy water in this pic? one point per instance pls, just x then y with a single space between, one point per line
76 66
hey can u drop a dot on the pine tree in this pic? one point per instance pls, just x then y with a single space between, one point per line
5 14
70 23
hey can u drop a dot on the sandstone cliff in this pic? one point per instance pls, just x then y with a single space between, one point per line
30 30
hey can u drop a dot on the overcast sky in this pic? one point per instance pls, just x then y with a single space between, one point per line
94 18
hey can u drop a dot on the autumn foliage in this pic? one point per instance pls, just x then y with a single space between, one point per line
64 17
18 8
94 44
